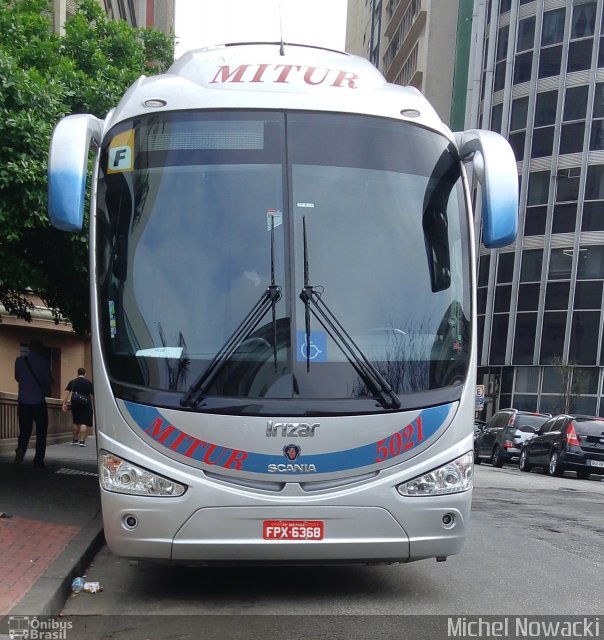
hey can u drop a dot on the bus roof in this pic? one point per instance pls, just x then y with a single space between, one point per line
275 76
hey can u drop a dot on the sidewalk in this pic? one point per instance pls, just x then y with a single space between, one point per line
50 527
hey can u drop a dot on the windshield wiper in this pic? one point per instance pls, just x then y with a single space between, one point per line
268 300
367 371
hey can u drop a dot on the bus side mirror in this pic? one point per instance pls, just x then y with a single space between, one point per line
495 168
68 167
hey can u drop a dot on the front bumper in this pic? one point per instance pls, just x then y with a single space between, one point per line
400 530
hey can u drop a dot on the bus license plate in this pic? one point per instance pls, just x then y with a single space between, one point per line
596 463
293 530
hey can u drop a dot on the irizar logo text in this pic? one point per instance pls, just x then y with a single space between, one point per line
291 429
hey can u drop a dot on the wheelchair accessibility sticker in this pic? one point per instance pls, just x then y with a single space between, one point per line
316 348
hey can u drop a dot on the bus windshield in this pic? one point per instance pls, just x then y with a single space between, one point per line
200 213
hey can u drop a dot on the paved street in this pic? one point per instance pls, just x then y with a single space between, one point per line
534 548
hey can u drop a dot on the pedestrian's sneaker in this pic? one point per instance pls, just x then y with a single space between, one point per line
19 455
74 441
38 464
82 443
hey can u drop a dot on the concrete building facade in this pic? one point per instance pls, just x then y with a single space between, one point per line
412 42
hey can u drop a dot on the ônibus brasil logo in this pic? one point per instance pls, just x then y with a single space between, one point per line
37 628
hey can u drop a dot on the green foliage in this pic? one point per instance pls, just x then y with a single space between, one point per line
44 77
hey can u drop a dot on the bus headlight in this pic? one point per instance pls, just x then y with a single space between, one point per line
121 476
453 477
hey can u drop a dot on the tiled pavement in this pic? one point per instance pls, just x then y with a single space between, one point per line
50 527
27 548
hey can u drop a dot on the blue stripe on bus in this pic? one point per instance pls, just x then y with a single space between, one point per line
419 430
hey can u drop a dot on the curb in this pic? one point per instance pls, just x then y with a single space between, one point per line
50 591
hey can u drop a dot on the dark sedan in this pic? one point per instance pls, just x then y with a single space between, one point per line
566 443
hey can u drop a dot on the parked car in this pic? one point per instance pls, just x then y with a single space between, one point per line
566 443
504 434
478 427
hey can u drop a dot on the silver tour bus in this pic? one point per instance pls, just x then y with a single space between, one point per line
283 308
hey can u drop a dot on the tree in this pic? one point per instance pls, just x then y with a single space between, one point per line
43 77
572 384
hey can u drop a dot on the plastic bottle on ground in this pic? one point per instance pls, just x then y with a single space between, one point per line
77 585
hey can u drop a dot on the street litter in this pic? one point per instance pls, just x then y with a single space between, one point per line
79 584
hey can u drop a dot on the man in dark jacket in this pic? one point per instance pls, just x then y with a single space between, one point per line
32 372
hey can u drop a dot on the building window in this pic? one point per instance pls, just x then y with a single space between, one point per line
496 113
550 60
579 55
553 27
538 188
534 221
593 216
528 297
552 338
499 336
519 114
517 141
596 139
583 337
560 264
545 108
594 187
526 34
499 81
591 263
502 43
527 380
483 270
556 296
532 260
481 300
543 142
524 338
505 267
588 295
522 67
503 296
575 103
571 138
584 19
567 185
565 218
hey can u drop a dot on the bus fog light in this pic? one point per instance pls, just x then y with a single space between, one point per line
131 522
448 520
453 477
121 476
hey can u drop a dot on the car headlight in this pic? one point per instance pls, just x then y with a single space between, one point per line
121 476
453 477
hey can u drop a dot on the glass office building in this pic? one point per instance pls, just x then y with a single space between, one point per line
539 81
